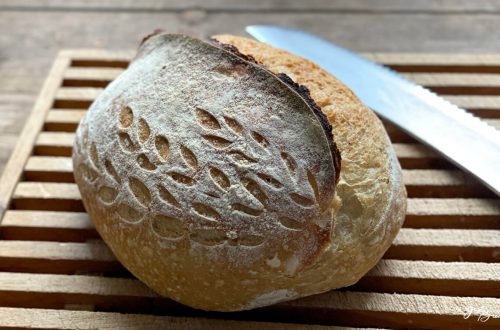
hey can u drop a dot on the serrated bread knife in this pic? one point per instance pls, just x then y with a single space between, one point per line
462 138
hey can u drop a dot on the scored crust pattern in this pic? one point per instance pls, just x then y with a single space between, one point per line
204 171
134 134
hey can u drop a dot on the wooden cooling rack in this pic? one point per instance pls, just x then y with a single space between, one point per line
442 271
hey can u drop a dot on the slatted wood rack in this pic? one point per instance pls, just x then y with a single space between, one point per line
443 270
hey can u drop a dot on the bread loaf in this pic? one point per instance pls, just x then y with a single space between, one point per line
229 175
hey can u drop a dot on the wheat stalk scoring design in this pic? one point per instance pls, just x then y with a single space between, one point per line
243 148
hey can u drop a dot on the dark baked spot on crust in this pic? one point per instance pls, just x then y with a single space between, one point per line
303 91
149 36
306 95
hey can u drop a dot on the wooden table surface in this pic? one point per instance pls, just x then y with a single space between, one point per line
32 32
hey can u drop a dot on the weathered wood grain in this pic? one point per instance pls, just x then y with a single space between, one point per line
483 106
57 257
421 311
453 213
447 254
63 120
51 169
446 245
14 167
47 196
47 226
24 318
427 6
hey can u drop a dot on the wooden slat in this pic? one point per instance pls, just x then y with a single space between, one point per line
14 167
458 83
446 245
53 169
63 120
438 59
431 277
455 79
483 106
415 62
442 183
47 196
57 257
90 77
457 206
415 156
47 226
24 318
393 310
75 97
494 123
54 143
453 213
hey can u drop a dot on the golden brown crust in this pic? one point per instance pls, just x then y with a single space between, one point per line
370 202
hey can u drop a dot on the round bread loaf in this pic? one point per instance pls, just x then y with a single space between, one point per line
229 175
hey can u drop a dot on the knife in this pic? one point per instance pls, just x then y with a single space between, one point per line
460 137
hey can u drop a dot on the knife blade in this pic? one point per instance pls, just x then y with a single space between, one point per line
460 137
